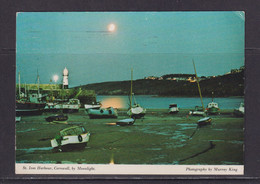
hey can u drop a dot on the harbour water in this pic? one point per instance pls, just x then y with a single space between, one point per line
152 102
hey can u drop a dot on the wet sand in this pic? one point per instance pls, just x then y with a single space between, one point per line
158 138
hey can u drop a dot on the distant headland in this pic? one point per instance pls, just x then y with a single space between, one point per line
229 84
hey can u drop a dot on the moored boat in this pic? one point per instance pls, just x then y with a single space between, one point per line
71 138
135 110
71 105
125 122
92 106
173 108
240 112
204 121
212 108
198 111
27 108
102 113
57 118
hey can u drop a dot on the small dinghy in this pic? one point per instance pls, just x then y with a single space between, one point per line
57 118
204 121
125 122
72 138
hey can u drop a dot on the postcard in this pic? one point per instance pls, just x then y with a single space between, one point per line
135 93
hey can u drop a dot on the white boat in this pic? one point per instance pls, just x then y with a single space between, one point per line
240 112
125 122
135 110
92 106
71 138
72 105
204 121
198 110
173 108
109 112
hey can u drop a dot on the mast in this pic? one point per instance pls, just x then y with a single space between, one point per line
19 82
38 81
25 92
131 90
198 86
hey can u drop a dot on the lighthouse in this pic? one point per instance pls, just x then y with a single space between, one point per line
65 78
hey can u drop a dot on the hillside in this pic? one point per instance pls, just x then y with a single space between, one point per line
226 85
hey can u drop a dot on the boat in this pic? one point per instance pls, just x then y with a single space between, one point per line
66 106
109 112
92 106
173 108
68 139
125 122
57 118
198 111
240 112
72 106
212 107
206 120
29 106
135 110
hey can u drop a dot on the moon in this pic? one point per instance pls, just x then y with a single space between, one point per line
111 27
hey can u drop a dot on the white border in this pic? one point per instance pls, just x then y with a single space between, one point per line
24 168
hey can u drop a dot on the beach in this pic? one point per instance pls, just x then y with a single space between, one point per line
159 138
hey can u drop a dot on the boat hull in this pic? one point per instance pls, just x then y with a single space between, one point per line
102 113
125 122
204 122
29 108
56 118
213 111
70 142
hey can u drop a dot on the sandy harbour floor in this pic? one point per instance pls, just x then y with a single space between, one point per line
159 138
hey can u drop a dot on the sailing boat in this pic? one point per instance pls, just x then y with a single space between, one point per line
31 106
135 110
206 120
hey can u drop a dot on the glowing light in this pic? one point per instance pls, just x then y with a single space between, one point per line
113 102
111 27
55 78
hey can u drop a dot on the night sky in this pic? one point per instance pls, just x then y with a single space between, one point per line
152 43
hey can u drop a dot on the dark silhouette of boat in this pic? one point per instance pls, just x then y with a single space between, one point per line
59 117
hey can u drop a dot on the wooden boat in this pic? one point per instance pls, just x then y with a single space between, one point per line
57 118
125 122
240 112
68 139
102 113
135 110
173 108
